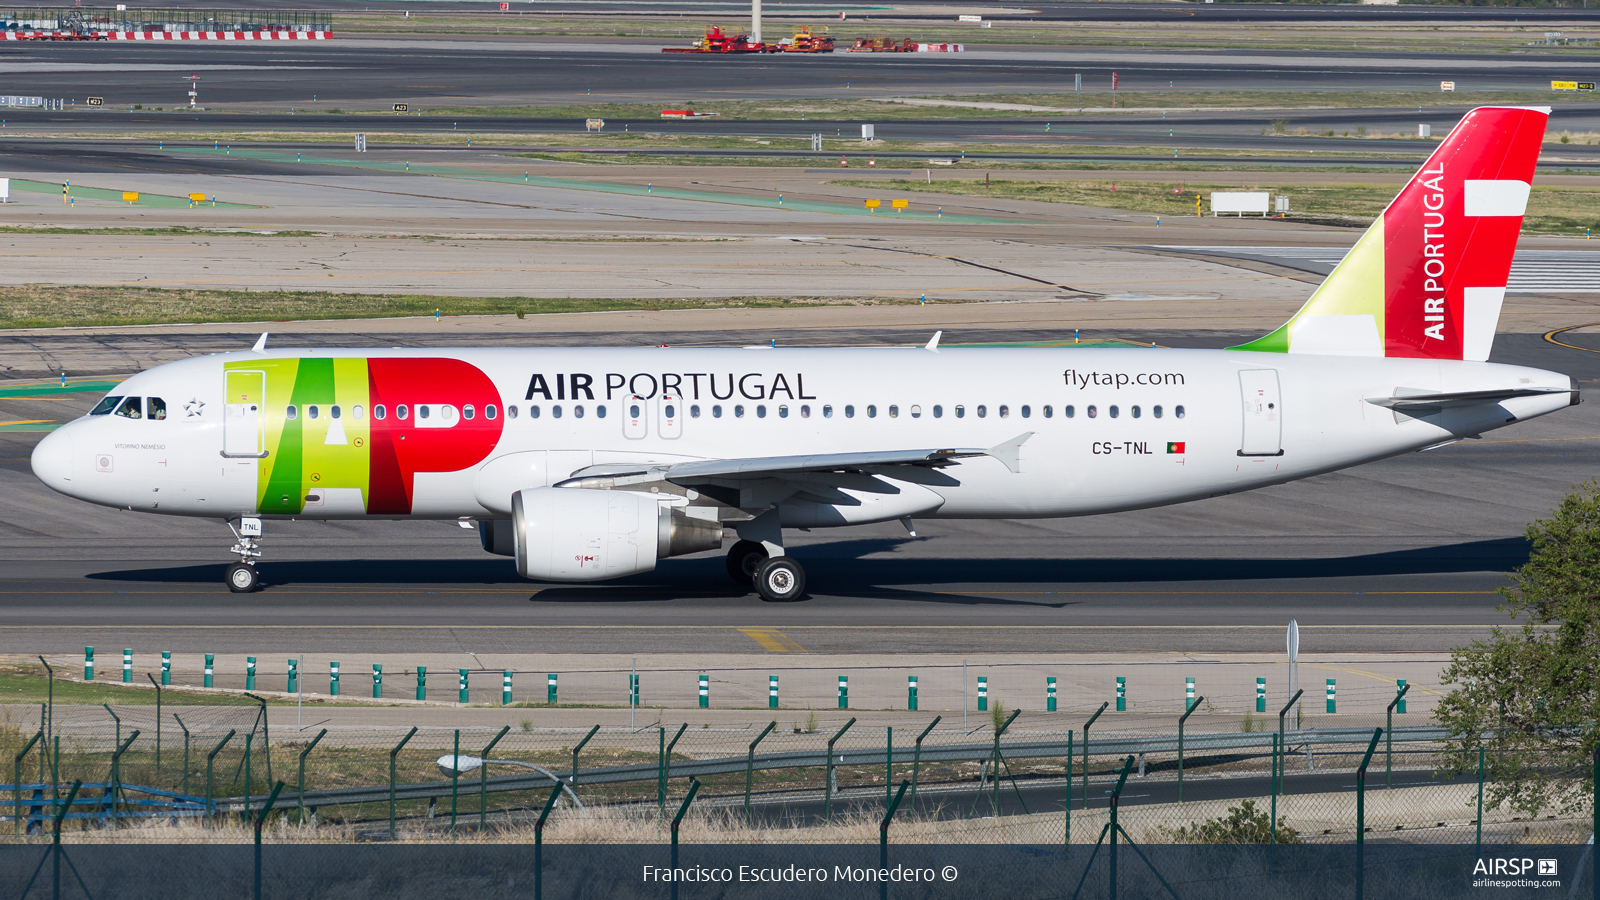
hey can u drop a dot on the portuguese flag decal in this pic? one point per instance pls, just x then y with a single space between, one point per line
1175 446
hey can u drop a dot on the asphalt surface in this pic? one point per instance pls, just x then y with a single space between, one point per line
1403 554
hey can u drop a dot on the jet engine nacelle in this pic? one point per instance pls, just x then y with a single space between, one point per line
574 534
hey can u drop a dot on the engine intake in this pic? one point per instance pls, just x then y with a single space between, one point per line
572 534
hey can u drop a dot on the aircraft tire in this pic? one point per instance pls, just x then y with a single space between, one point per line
242 578
744 558
780 580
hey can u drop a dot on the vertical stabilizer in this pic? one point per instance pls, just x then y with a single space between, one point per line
1427 279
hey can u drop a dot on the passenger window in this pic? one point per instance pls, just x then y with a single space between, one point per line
916 412
489 412
1156 411
894 412
1048 411
132 409
1069 411
716 411
401 412
155 408
738 411
982 410
511 410
1114 411
849 412
783 411
634 411
1005 411
938 411
1026 411
961 411
577 411
694 411
1136 412
761 410
827 412
468 412
805 411
533 411
292 413
334 411
312 412
600 411
357 412
872 411
423 412
1178 411
1092 411
555 411
107 404
379 412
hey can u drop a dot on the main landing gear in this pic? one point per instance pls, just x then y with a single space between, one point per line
778 579
242 577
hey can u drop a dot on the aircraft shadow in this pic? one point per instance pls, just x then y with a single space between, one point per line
838 569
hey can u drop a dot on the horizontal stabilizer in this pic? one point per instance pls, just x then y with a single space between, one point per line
1409 402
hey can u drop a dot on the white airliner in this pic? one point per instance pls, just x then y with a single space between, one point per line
589 464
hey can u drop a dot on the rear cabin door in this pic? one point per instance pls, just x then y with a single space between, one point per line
1263 413
243 422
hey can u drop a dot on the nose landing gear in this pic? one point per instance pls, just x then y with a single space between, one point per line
242 577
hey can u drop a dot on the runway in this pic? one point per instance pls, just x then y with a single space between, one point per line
1403 554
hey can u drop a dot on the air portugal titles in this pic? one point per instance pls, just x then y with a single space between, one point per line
362 429
689 385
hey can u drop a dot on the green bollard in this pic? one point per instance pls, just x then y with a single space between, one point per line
377 680
705 692
127 665
211 669
1122 694
505 687
911 693
772 692
844 691
983 693
633 691
333 679
249 673
550 692
422 682
88 664
294 676
461 685
1333 705
1050 694
166 667
1188 694
1400 693
1261 695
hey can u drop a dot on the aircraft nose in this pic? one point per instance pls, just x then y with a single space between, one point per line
52 461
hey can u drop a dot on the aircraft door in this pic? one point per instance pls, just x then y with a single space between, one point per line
1263 413
243 419
635 417
671 422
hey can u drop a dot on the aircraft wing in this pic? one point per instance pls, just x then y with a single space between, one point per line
779 466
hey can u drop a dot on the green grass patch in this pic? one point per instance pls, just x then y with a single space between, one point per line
31 685
169 231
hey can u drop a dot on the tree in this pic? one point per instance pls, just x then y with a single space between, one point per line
1530 696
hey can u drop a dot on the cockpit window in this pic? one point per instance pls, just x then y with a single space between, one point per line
106 405
155 407
132 409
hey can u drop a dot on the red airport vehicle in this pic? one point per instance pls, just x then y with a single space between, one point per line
806 42
715 41
882 44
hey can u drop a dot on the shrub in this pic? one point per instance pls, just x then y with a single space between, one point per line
1244 824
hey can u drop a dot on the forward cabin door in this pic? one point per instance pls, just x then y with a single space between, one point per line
243 422
1263 413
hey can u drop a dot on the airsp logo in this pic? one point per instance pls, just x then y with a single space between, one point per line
1500 866
1547 867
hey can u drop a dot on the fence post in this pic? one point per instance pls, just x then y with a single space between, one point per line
483 781
505 687
16 781
550 689
883 838
1068 845
1388 740
211 806
1113 828
772 692
1594 858
333 678
576 750
1050 694
455 782
294 677
249 673
1086 758
1188 693
88 664
1333 698
377 680
538 843
211 669
827 801
157 686
461 685
844 691
916 761
1273 822
127 665
260 821
1361 815
983 693
1181 719
166 667
392 754
1261 695
314 742
1480 800
666 767
422 682
1122 693
694 788
750 768
185 752
911 701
